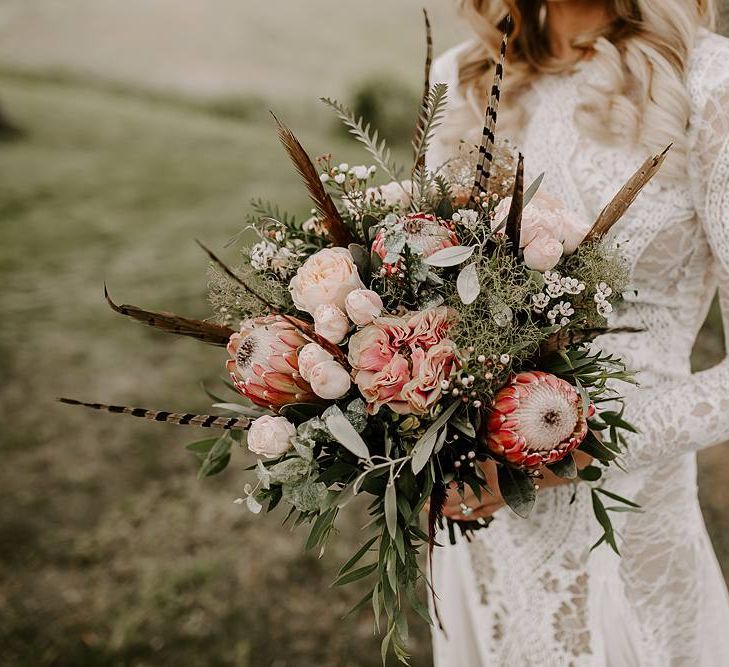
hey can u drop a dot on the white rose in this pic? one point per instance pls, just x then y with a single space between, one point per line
363 306
543 252
270 436
330 380
331 323
309 356
326 277
392 193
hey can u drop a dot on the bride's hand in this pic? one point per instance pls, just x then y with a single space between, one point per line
457 503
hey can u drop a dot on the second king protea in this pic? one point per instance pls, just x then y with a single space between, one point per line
264 363
535 420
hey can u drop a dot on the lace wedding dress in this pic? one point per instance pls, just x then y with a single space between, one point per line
530 592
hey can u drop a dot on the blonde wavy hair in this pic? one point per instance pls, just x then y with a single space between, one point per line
641 58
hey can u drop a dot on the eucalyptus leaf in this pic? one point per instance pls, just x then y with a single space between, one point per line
532 189
391 508
424 446
361 259
254 507
217 458
566 468
345 434
248 411
452 256
467 284
517 490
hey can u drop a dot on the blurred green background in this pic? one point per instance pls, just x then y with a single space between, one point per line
128 130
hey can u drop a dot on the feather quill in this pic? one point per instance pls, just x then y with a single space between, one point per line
420 129
184 419
338 233
626 196
486 149
566 338
513 221
207 332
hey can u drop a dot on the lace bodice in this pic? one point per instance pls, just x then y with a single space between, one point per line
676 238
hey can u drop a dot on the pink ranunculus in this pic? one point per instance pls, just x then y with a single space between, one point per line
385 387
422 230
429 370
327 277
330 380
309 356
363 306
331 323
429 327
546 214
270 436
543 252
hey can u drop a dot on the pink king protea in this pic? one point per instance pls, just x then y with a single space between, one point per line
423 230
536 419
264 363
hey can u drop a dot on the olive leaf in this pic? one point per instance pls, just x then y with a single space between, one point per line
467 284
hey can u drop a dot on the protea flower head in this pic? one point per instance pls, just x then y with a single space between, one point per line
422 230
264 363
536 419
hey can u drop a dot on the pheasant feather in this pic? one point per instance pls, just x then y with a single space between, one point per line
207 332
186 419
331 220
486 149
420 129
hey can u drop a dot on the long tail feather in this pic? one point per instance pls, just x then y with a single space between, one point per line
332 221
426 88
626 195
513 221
204 421
566 338
215 334
486 149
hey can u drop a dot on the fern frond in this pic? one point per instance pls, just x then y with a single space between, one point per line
430 118
367 137
443 187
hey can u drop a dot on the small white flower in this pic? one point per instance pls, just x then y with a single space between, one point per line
324 178
540 302
564 321
552 277
344 167
554 290
565 308
456 217
605 289
505 359
467 217
360 172
572 285
340 178
604 308
373 169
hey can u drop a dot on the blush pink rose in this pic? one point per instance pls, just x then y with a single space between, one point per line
330 380
543 252
363 306
270 436
385 387
331 323
309 356
325 278
547 214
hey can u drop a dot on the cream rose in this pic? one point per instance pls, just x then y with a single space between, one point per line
543 252
309 356
327 277
330 380
363 306
391 193
331 323
270 436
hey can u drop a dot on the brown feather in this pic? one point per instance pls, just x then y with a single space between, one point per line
626 196
207 332
566 338
426 88
204 421
331 220
513 221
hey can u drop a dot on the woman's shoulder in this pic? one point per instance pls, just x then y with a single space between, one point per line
446 66
708 67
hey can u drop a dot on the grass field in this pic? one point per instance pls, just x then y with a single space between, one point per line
111 552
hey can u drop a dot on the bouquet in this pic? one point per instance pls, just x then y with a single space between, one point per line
406 334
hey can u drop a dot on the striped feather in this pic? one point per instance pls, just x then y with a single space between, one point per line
486 149
204 421
426 89
207 332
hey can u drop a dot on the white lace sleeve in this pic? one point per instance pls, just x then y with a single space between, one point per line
694 414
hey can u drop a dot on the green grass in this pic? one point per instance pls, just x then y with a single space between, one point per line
111 552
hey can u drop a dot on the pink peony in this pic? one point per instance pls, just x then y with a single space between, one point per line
536 419
363 306
400 361
270 436
423 230
327 277
264 364
331 323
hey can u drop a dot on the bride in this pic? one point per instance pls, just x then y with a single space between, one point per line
592 88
